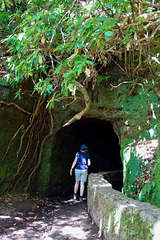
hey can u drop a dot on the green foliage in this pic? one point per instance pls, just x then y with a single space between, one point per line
44 87
6 3
62 41
4 17
5 26
102 78
54 43
133 169
140 110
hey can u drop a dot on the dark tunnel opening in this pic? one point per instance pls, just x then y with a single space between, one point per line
103 145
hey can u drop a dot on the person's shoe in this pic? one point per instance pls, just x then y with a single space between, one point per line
81 199
74 196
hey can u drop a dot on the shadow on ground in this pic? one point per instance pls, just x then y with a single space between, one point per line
57 219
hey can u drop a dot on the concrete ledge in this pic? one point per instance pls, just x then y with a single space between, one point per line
119 217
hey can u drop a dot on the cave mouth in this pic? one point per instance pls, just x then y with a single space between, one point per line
103 145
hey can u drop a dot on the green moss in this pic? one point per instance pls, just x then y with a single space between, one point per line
151 192
141 124
11 120
95 203
126 225
134 228
41 178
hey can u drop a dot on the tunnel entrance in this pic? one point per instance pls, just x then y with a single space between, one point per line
103 145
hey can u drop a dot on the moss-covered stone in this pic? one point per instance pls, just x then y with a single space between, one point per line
134 118
117 216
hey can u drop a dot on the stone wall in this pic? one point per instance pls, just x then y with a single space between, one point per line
119 217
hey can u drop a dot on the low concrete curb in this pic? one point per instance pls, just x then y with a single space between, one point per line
119 217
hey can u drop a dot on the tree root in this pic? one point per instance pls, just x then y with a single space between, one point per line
32 155
15 105
9 145
79 115
32 119
41 150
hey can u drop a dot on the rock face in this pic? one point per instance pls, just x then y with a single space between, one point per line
119 217
119 130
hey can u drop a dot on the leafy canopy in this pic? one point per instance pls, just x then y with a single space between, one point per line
55 43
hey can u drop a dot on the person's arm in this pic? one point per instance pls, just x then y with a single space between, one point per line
89 162
73 165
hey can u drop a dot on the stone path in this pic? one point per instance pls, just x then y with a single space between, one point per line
71 222
54 219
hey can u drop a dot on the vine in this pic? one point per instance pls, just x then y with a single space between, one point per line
34 146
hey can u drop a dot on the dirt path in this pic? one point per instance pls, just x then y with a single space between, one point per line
57 219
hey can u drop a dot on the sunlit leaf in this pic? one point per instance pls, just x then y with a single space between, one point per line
108 35
40 59
76 51
43 40
20 36
128 46
87 72
112 22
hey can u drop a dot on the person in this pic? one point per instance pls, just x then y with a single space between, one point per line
81 163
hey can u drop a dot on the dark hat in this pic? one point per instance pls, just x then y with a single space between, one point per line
83 147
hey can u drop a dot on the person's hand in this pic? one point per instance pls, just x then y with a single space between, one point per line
71 172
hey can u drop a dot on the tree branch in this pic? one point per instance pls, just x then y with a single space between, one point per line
120 84
62 20
79 115
62 98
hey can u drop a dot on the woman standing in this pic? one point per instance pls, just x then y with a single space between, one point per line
81 163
